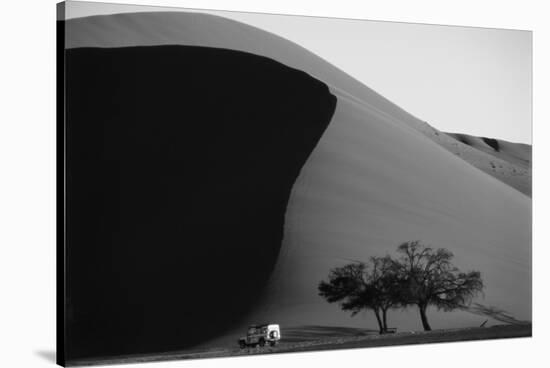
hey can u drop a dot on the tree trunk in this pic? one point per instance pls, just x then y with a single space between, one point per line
384 320
380 326
424 317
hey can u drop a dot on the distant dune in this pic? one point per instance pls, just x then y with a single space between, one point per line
512 164
377 177
505 161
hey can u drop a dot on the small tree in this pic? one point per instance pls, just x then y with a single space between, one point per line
427 277
385 281
356 286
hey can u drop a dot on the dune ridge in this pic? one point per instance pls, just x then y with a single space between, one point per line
164 28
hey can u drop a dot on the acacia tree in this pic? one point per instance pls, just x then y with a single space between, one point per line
356 286
427 277
385 281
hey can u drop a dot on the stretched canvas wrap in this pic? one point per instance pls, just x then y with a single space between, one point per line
239 183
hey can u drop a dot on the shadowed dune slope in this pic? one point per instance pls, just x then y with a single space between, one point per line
180 165
374 180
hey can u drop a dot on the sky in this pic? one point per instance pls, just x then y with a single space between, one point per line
469 80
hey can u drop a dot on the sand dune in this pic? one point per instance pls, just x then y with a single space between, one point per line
512 164
162 28
505 161
387 186
516 153
375 179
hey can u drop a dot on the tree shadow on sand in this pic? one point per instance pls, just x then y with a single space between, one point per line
495 313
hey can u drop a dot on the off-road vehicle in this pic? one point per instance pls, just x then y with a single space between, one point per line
260 335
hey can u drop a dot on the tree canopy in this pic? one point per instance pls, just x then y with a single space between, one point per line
359 286
421 276
429 278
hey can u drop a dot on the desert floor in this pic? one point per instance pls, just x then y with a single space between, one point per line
319 338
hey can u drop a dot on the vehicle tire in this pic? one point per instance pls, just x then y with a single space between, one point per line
242 344
262 343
